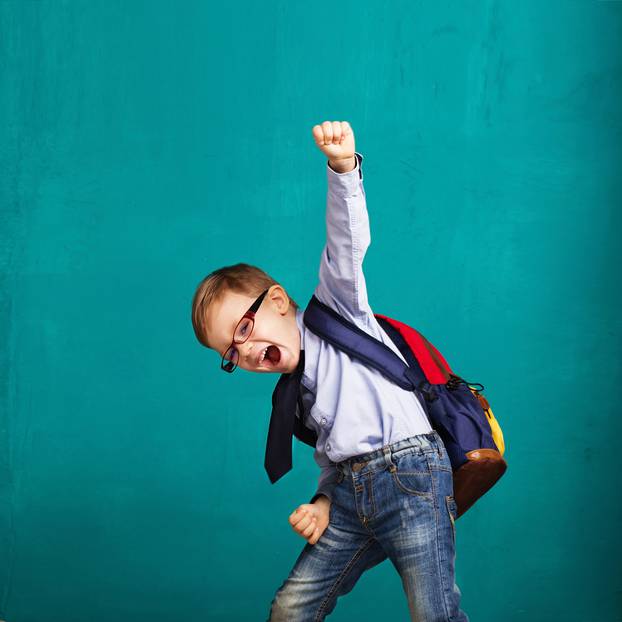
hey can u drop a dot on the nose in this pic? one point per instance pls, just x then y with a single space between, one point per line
246 349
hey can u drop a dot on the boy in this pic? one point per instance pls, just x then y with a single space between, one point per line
386 483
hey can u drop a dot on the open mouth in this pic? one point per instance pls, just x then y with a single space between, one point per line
269 356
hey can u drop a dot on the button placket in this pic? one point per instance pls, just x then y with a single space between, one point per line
322 418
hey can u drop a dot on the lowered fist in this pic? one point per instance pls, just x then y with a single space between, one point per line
335 139
311 519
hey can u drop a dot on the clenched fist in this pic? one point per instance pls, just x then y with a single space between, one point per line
335 139
311 519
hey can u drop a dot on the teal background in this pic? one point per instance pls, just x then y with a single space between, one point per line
144 144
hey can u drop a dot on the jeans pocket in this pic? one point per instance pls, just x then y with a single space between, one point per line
411 473
452 510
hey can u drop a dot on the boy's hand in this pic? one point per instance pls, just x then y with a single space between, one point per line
335 139
311 519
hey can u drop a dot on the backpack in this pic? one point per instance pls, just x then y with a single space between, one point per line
458 411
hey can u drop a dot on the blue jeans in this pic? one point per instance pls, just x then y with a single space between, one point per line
396 502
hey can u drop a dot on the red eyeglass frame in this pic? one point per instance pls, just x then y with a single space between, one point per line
230 366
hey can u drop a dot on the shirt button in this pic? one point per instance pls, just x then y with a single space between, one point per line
323 421
328 446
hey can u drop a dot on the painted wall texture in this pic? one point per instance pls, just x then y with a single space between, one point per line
144 144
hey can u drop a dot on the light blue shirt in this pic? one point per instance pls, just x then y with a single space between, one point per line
352 408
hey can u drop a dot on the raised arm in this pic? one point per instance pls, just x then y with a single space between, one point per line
341 279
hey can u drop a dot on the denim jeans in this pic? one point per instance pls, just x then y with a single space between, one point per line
395 502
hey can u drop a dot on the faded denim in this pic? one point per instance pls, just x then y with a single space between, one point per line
395 502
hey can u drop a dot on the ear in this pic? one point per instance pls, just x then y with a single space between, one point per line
279 298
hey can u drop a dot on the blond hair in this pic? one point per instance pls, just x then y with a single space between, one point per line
240 278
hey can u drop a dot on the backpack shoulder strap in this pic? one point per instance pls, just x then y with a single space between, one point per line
344 335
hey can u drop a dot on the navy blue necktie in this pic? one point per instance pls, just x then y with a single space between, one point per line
284 423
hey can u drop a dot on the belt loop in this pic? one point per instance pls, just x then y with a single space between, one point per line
437 445
388 457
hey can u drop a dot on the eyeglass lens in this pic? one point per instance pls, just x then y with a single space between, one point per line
242 331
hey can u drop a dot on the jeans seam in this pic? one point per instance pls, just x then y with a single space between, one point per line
371 496
448 500
438 551
342 575
418 493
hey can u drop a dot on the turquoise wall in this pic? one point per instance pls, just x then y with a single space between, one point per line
144 144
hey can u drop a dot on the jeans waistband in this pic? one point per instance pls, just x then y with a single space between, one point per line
379 458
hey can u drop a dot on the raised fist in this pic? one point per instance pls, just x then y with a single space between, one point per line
335 139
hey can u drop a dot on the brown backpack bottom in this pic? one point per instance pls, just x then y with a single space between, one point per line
477 476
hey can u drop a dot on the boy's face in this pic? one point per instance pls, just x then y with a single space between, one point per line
275 325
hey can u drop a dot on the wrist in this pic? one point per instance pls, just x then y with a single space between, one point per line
343 165
322 499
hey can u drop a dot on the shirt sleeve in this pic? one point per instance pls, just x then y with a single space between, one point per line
328 480
328 471
341 281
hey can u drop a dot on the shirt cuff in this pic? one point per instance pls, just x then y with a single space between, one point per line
324 490
348 181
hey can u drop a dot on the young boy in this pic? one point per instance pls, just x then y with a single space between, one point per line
386 483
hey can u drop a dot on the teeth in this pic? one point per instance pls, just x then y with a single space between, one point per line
263 355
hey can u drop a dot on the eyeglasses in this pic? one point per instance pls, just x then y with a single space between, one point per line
240 335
